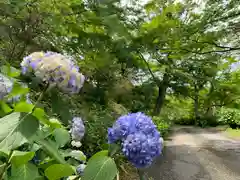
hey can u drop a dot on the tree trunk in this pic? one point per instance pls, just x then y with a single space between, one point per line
196 105
162 89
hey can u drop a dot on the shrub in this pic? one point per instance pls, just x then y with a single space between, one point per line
163 125
229 116
185 121
97 120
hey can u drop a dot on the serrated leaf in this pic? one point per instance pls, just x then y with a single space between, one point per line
19 158
23 107
62 136
25 172
100 167
16 129
58 171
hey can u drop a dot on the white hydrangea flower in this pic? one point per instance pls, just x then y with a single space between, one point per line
55 69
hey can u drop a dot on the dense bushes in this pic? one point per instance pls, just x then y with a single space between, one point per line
163 125
229 116
97 121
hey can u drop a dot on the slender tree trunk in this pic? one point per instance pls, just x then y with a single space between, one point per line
196 105
162 89
208 105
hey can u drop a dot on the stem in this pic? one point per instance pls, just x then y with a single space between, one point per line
141 175
6 165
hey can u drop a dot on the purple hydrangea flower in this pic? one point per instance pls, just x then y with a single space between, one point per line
78 129
140 139
55 69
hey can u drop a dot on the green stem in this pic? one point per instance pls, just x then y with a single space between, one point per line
141 175
6 165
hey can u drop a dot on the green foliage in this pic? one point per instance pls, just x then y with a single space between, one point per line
100 167
162 57
58 171
163 125
26 172
229 116
97 122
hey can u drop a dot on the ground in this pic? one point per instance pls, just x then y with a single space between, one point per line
198 154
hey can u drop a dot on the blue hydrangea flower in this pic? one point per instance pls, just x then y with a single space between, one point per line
141 149
55 69
78 129
131 123
140 139
80 169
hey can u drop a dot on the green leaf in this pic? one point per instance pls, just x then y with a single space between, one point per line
60 107
10 71
5 107
19 158
17 89
55 123
100 167
78 155
51 148
40 114
58 171
23 107
62 136
16 129
25 172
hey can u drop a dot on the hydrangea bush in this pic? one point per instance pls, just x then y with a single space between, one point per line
36 146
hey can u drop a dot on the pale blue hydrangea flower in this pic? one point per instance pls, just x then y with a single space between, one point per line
55 69
80 169
77 131
140 139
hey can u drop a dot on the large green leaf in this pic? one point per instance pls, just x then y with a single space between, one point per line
58 171
25 172
100 167
61 136
19 158
16 129
51 148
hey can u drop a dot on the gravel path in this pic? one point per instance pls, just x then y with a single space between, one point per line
197 154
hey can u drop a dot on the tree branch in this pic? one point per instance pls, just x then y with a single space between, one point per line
149 69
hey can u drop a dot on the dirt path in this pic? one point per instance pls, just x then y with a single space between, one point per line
198 154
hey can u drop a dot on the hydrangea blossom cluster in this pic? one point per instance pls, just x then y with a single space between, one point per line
77 131
6 85
80 169
141 141
55 69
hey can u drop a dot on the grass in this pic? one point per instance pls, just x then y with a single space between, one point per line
233 133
